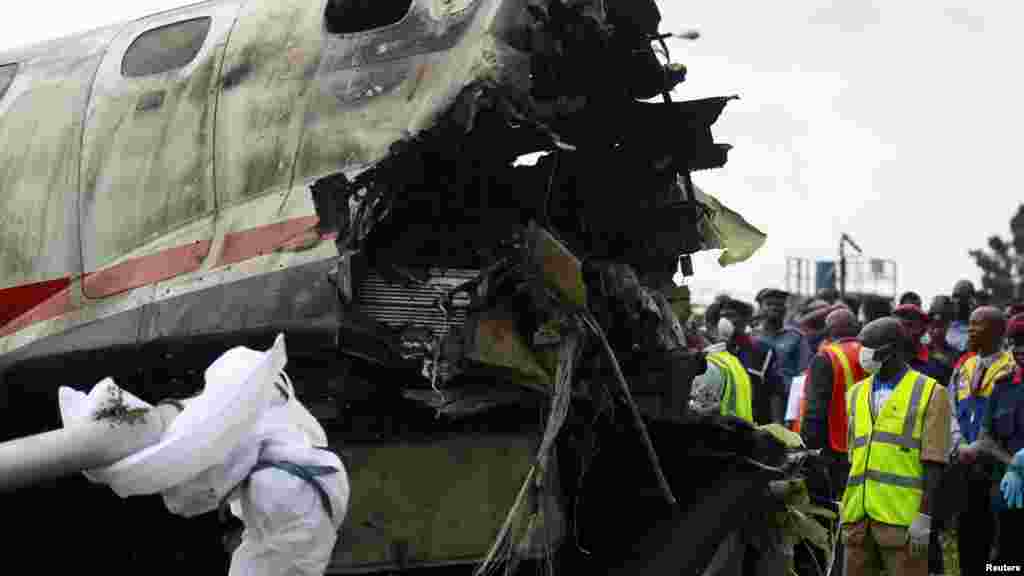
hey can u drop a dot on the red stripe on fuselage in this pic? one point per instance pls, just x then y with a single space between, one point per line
145 270
23 306
18 300
54 305
246 244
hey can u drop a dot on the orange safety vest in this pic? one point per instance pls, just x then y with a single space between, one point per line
846 371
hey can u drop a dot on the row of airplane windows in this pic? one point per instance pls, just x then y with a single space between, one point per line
175 45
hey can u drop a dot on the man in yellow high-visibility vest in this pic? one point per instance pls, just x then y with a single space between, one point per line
898 443
737 396
725 386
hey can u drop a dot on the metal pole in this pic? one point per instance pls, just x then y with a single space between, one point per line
82 446
842 267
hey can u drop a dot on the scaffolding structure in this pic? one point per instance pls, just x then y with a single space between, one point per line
876 276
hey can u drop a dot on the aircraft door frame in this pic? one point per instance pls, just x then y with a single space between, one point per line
148 198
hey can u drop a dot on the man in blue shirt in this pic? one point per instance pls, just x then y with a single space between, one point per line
788 344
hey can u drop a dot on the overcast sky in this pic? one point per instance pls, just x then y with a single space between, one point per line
896 123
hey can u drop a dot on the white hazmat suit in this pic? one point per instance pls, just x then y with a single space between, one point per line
271 466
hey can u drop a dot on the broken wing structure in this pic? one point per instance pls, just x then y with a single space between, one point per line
488 345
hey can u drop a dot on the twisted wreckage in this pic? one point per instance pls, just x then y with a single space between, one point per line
495 348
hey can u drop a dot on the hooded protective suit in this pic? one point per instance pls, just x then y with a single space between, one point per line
276 475
289 529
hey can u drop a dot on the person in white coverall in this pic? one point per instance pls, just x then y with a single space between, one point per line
245 443
290 492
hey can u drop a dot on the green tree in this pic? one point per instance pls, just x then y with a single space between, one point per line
1002 265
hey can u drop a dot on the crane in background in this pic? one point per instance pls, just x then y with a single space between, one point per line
845 239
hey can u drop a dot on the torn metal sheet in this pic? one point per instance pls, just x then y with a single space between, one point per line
726 230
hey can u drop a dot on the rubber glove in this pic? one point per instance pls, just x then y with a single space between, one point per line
918 534
1012 486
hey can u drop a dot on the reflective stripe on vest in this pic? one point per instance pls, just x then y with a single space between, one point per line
736 398
846 371
1003 366
886 480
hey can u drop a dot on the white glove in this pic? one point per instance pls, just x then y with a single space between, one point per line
918 535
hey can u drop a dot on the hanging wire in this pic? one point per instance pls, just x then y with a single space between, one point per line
589 321
436 367
502 551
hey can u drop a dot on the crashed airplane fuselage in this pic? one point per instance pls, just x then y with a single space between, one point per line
345 171
155 176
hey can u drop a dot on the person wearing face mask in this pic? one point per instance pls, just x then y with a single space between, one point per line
972 385
756 357
788 345
898 443
724 387
1003 427
963 305
915 322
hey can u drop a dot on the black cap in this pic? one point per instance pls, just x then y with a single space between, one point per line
770 293
911 298
963 288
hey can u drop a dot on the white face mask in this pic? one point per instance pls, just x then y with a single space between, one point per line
869 359
726 329
926 339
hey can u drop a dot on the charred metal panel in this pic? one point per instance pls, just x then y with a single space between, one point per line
147 165
270 62
300 294
41 118
380 86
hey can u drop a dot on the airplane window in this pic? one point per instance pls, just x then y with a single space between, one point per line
351 16
166 48
6 77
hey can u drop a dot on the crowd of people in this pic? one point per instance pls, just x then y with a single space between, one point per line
919 414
